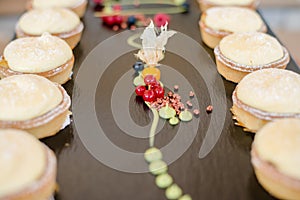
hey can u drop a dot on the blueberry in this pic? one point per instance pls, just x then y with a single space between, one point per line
186 7
131 20
138 66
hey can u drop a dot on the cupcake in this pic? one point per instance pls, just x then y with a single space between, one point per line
28 167
266 95
33 103
60 22
239 54
206 4
77 6
275 158
218 22
47 56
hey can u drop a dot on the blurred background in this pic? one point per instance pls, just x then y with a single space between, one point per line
282 16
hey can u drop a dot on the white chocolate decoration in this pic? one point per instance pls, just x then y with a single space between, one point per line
55 3
251 49
24 97
231 2
23 160
278 143
271 90
233 19
37 54
52 20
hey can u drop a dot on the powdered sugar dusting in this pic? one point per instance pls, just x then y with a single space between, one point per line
233 19
251 48
271 90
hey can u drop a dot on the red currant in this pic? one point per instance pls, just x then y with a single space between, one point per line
159 92
150 79
117 7
139 90
108 20
118 19
149 95
160 19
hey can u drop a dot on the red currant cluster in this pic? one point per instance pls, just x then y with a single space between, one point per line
151 91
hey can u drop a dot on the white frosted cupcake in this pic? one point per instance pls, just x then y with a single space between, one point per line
206 4
33 103
28 167
239 54
60 22
47 56
218 22
77 6
275 158
266 95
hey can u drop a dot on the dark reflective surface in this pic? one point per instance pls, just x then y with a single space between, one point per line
226 173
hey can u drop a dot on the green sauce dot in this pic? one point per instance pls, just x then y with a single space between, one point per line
158 167
167 112
173 192
163 180
185 197
153 154
137 81
185 116
174 121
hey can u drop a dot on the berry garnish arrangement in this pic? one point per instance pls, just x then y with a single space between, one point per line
129 14
165 105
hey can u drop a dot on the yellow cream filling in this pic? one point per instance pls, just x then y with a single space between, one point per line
25 97
271 90
22 159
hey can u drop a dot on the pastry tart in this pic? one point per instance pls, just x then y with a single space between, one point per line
266 95
33 103
28 167
47 56
239 54
218 22
206 4
77 6
60 22
275 158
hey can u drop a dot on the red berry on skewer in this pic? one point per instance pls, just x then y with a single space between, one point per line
139 90
150 79
149 96
159 92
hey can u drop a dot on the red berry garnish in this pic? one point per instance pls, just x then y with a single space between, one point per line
118 19
160 19
159 92
117 7
150 79
108 20
149 95
139 90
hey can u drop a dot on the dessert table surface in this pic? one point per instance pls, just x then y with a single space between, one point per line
224 173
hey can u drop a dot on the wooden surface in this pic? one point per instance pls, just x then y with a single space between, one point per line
226 173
